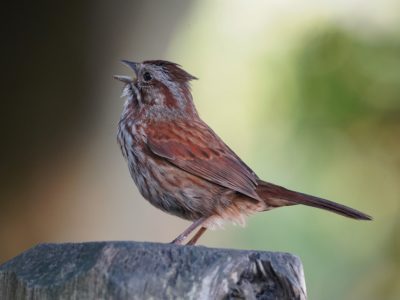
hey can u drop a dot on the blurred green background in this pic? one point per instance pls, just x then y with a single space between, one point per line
306 92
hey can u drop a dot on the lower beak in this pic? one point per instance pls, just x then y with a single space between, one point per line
125 79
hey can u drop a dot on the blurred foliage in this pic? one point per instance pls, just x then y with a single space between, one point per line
343 81
348 97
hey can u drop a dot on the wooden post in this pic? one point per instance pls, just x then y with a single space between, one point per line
134 270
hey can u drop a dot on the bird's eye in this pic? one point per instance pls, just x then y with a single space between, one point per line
147 77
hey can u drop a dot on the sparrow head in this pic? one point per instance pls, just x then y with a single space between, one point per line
163 87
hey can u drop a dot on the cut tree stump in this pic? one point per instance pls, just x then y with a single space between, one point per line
135 270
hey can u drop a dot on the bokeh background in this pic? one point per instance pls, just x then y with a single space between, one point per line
306 92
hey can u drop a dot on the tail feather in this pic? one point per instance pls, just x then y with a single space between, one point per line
272 193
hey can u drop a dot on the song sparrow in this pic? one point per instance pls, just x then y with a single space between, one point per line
181 166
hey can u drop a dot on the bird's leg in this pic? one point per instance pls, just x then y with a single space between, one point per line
196 237
180 238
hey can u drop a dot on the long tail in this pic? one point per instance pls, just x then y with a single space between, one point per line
275 195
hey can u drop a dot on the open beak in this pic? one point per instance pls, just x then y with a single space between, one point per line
126 79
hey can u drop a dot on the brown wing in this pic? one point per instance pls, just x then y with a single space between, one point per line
196 149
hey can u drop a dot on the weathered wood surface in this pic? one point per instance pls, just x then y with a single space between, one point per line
133 270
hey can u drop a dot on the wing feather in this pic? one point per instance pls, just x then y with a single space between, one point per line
195 148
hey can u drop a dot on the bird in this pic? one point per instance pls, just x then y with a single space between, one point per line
181 166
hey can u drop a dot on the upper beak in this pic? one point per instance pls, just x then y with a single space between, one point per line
131 64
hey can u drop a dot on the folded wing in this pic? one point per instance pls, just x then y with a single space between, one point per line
196 149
